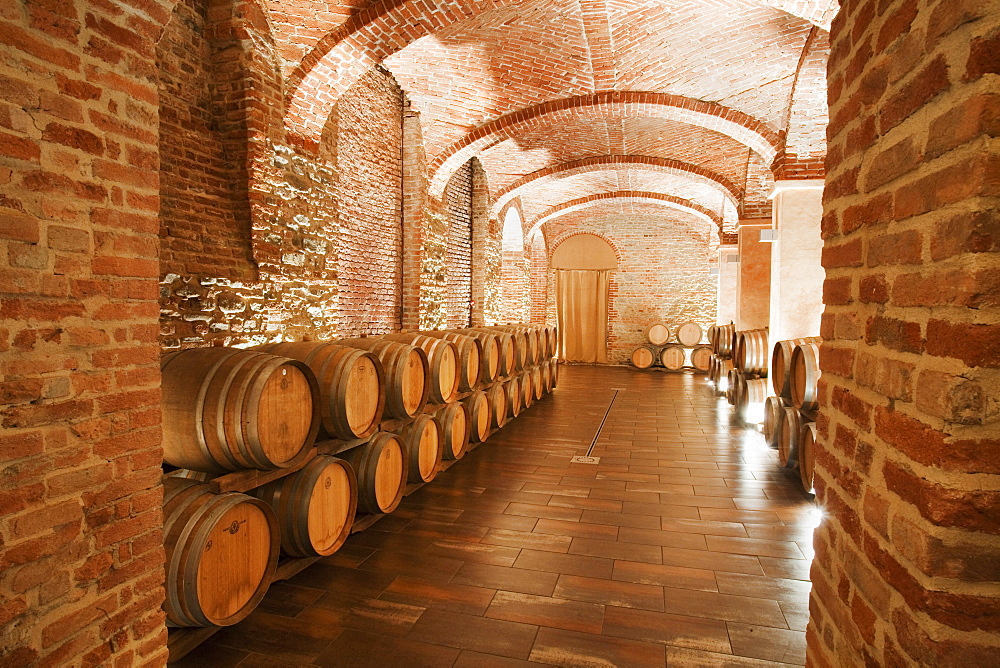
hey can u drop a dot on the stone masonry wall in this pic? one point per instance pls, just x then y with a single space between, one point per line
906 569
662 274
81 547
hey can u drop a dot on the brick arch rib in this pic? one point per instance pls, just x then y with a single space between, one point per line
734 124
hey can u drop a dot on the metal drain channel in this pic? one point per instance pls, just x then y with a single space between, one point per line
601 428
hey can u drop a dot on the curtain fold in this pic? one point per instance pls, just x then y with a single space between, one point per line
582 310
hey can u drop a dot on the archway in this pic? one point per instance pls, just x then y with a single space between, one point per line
582 264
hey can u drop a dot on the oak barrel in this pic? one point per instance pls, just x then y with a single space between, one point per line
554 365
443 360
423 445
751 352
381 467
315 506
672 357
689 334
351 385
407 375
497 396
526 385
477 405
701 358
723 343
537 382
658 334
733 386
221 552
455 430
226 409
788 437
644 357
803 376
491 358
512 388
722 369
470 357
752 395
781 363
807 455
774 410
546 373
520 344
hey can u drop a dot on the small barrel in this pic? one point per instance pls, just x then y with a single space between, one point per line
497 396
490 343
752 352
689 334
221 552
381 467
351 385
477 405
226 409
470 357
455 430
513 391
701 358
807 455
407 375
442 358
803 376
422 443
788 437
774 410
644 357
527 389
658 334
672 357
781 363
315 506
750 403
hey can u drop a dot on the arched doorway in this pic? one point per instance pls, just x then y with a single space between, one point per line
583 264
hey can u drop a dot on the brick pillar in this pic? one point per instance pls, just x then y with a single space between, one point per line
796 253
415 206
729 274
753 289
907 469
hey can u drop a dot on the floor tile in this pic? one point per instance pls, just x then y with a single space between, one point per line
566 648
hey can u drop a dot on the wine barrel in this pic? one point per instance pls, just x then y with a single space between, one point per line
672 357
351 385
477 405
497 396
442 358
658 334
554 365
689 334
226 409
423 447
807 455
803 376
734 385
788 437
701 358
315 506
723 345
510 350
381 466
711 336
781 363
470 357
407 375
722 369
513 390
644 357
546 377
521 346
750 403
490 344
552 338
455 430
774 409
537 383
221 552
526 386
752 352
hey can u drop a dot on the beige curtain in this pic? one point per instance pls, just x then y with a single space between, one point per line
582 303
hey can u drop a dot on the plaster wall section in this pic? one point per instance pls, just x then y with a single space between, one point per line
753 289
729 274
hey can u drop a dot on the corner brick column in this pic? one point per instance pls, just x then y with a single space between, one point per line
753 288
729 275
796 260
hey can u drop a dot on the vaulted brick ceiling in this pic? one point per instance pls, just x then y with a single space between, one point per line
514 82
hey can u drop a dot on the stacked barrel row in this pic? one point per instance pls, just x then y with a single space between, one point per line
391 407
781 385
672 349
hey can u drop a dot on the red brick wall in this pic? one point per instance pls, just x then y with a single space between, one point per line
458 247
81 557
663 268
907 470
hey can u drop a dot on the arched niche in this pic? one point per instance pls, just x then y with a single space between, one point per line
584 251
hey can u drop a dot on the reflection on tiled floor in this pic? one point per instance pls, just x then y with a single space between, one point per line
684 546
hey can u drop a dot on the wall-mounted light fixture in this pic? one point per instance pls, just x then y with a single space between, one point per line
769 235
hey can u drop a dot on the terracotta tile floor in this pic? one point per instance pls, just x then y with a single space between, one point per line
684 546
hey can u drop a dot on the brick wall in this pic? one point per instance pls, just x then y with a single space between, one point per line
663 268
907 471
81 557
458 247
